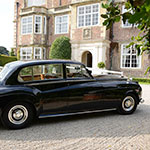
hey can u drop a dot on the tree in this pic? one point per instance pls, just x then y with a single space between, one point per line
61 48
3 51
138 13
12 53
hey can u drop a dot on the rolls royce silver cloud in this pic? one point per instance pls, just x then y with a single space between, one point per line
51 88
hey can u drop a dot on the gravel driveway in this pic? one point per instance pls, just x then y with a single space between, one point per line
100 131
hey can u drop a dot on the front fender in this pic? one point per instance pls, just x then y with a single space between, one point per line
133 92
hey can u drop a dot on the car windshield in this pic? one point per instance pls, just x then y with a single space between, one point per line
5 71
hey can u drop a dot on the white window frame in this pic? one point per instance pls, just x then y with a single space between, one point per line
34 3
122 54
39 23
88 13
45 25
127 24
61 23
37 55
27 54
27 25
44 53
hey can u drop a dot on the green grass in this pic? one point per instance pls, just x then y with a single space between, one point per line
147 83
142 80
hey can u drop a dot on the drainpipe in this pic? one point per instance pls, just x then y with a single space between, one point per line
17 7
47 36
111 36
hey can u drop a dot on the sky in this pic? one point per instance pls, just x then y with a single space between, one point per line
6 23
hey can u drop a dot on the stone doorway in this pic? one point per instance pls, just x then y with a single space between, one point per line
87 59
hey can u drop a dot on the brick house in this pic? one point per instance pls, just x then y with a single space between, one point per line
38 23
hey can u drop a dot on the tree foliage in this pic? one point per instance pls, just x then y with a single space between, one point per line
3 51
138 13
61 48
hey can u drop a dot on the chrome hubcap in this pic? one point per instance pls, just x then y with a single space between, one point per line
128 103
18 114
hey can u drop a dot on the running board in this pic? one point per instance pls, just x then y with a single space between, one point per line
71 114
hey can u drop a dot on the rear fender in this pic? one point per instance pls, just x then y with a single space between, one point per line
21 97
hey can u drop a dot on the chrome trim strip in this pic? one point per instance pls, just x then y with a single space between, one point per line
70 114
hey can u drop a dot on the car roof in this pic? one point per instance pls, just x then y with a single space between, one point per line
17 64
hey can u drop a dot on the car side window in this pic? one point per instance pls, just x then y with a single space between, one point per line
76 71
25 74
41 72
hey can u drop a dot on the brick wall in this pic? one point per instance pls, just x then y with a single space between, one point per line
56 3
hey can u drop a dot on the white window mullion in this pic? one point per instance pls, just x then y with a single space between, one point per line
45 25
44 53
26 25
35 3
61 24
26 53
89 14
129 57
126 24
37 53
92 15
130 60
38 24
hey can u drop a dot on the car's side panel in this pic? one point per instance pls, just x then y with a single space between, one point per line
90 94
53 96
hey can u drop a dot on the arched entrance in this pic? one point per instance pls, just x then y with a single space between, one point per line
87 59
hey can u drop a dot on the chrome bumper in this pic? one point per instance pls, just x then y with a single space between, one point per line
141 100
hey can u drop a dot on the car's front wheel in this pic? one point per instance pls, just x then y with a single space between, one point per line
17 116
128 104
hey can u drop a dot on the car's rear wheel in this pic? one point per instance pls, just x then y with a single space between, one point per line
17 116
128 104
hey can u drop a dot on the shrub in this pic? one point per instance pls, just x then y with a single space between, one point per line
6 59
61 48
101 65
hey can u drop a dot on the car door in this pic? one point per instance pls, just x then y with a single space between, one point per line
84 92
49 80
112 94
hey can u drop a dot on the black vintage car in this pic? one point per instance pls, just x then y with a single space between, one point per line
50 88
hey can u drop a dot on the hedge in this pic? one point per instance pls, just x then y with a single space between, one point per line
143 80
61 48
6 59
